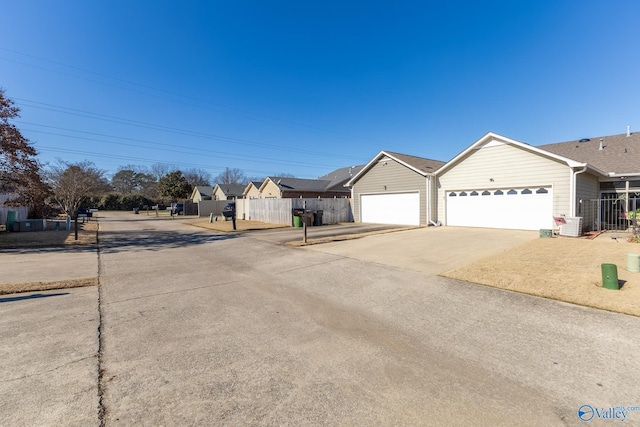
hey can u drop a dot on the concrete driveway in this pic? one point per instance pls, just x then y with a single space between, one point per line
432 250
191 327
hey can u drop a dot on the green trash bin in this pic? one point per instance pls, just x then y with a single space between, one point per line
610 276
12 217
297 221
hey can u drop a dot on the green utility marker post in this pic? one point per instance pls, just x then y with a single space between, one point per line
610 276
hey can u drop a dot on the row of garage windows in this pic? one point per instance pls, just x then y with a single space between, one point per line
498 192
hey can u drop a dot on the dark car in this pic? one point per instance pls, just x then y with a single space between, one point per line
178 209
84 212
229 210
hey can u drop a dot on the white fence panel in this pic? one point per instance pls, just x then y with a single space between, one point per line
279 211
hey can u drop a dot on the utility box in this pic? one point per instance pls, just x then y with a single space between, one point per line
572 228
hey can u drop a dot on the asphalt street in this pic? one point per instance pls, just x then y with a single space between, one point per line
192 327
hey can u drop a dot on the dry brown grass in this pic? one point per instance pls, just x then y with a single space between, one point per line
227 226
564 269
14 288
344 237
87 235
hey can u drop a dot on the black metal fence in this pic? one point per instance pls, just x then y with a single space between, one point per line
612 212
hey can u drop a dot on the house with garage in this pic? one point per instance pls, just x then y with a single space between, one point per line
228 191
201 192
395 188
499 182
289 188
252 190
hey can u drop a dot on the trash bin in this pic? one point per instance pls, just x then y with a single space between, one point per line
317 220
633 263
136 210
297 216
12 218
610 276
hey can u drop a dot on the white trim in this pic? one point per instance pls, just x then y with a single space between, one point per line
494 138
379 158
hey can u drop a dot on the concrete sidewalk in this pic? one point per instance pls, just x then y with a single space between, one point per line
48 264
48 358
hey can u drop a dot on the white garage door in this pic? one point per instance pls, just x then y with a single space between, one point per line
396 208
513 208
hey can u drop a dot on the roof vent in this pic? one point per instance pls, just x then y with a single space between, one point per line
601 145
628 131
584 140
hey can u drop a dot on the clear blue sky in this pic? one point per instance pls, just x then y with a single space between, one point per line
307 87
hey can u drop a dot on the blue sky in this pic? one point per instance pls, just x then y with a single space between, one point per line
308 87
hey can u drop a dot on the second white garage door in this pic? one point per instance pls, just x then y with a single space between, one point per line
512 208
396 208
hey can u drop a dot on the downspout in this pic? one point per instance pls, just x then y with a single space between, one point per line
572 210
428 199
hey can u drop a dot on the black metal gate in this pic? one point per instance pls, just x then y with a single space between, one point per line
614 212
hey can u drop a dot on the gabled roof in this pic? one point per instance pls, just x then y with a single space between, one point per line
299 184
421 165
339 177
204 190
256 184
230 189
494 138
620 154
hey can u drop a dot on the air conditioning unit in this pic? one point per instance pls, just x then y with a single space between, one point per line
572 228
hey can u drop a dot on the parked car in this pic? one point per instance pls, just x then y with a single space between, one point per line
229 210
178 209
85 212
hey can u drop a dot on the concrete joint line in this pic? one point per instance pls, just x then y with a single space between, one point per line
101 405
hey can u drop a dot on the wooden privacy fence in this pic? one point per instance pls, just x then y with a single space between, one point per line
279 211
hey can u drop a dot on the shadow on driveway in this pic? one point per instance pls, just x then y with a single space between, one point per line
32 296
154 240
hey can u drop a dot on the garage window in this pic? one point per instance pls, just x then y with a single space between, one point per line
498 193
462 194
542 191
526 191
474 193
512 192
486 193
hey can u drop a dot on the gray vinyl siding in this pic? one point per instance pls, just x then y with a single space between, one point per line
504 166
397 178
587 188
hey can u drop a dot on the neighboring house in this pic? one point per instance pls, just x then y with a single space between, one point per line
288 188
227 191
252 190
501 183
395 188
201 192
340 177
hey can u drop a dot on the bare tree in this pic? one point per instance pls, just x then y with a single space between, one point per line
197 177
231 176
159 170
72 183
